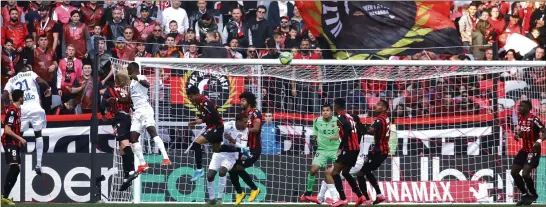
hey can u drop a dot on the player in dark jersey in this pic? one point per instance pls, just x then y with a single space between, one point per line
12 143
380 130
213 132
528 129
349 149
248 103
118 101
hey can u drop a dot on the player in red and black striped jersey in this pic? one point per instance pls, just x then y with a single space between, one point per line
349 149
118 101
12 142
248 104
528 129
380 130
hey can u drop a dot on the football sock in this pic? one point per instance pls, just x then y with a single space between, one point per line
137 150
518 180
128 160
221 186
339 186
211 187
373 182
333 191
161 146
323 189
11 178
352 182
310 182
198 155
248 180
363 186
39 151
530 185
234 177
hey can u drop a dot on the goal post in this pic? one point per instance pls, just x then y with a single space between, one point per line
452 124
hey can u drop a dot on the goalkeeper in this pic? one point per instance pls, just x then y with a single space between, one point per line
326 133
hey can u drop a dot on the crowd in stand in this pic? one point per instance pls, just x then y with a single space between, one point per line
58 40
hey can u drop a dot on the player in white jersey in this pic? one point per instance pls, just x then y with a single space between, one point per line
235 134
143 117
31 111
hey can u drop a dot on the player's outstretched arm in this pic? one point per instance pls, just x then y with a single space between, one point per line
6 98
196 122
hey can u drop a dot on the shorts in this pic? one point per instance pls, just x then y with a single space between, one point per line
359 163
13 154
214 135
527 158
223 159
348 158
34 116
373 161
142 119
322 157
250 162
122 124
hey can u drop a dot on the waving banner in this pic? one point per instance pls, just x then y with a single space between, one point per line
361 30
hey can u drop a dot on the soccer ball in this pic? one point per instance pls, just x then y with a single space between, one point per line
286 58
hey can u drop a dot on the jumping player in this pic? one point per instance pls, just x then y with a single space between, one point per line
119 104
236 132
143 116
12 143
528 129
32 111
347 155
326 132
248 104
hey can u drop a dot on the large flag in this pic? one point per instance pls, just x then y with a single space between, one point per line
377 30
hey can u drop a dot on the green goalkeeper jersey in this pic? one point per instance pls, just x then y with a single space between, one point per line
324 131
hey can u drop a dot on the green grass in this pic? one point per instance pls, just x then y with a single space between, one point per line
201 205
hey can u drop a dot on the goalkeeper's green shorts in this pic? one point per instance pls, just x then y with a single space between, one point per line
322 157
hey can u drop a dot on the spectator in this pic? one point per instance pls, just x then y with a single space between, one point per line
131 10
279 40
177 14
82 87
46 67
485 15
260 28
313 42
539 54
479 39
92 15
294 51
513 25
317 52
155 40
153 11
279 9
204 25
511 55
97 33
120 51
76 33
192 50
114 29
106 73
232 49
70 68
63 13
251 52
14 30
297 22
141 50
284 27
271 143
173 50
305 51
123 15
144 25
446 107
489 54
496 20
292 40
6 12
538 14
466 106
9 60
189 37
179 38
34 7
196 15
65 108
466 24
130 39
235 28
272 51
213 48
27 55
47 26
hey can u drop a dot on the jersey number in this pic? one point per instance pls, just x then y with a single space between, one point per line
20 85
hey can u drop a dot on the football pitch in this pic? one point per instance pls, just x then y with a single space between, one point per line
243 205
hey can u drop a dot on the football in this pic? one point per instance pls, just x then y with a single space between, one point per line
286 58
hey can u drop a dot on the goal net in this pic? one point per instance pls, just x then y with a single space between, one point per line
452 125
